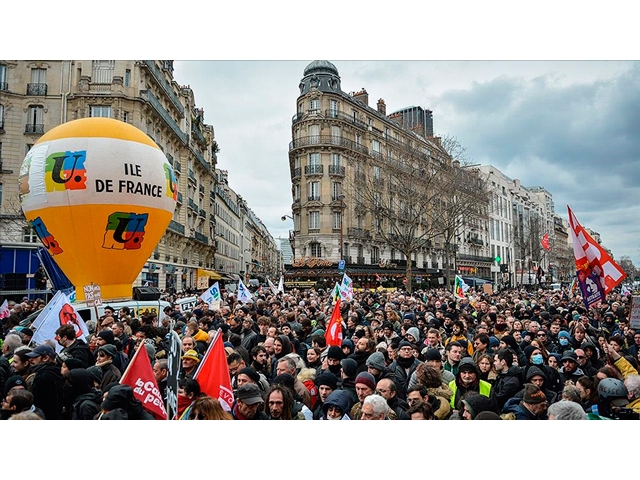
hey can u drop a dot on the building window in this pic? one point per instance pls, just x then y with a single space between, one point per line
1 116
0 194
125 117
29 235
3 78
314 220
296 192
35 119
336 190
127 78
38 85
375 146
102 71
333 108
314 190
335 159
102 111
376 173
314 105
314 159
315 250
337 220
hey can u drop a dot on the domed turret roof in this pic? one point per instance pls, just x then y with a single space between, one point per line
320 66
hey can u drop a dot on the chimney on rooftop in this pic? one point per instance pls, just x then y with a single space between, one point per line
382 107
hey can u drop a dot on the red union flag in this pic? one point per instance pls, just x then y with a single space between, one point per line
139 376
591 257
333 335
213 374
545 242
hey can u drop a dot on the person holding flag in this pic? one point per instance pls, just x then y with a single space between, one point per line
333 335
244 295
212 296
460 287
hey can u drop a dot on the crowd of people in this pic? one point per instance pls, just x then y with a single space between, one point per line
422 356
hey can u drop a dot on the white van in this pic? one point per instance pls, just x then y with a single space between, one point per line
556 286
137 307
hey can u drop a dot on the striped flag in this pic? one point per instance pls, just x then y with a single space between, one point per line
460 287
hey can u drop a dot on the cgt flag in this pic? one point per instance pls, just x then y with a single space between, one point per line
545 242
139 376
592 259
213 373
58 311
333 335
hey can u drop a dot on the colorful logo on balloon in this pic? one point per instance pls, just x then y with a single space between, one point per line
172 184
45 237
125 231
65 171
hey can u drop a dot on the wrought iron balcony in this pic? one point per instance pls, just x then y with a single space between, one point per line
192 176
474 258
313 169
199 237
295 173
358 232
314 198
178 228
202 213
34 128
334 140
336 170
37 89
192 205
177 167
166 116
163 82
347 118
180 198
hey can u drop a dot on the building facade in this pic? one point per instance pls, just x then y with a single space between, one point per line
36 96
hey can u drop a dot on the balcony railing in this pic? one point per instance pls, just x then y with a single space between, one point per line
358 232
178 228
313 169
180 198
295 173
201 238
36 128
474 258
314 198
192 205
346 117
335 140
336 170
177 167
195 131
162 81
37 89
202 213
4 86
192 176
157 106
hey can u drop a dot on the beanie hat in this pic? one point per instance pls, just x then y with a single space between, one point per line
328 379
249 372
511 342
433 354
13 381
564 334
494 342
528 350
285 379
533 395
366 379
335 353
349 367
405 343
107 336
109 350
73 363
467 365
414 332
376 360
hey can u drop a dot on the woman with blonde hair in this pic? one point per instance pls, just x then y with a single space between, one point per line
208 408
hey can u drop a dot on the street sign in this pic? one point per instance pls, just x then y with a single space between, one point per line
341 265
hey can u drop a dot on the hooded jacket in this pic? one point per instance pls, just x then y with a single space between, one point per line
86 398
120 399
340 399
506 385
47 390
480 386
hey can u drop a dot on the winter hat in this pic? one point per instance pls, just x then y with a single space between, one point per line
13 381
107 336
511 342
405 343
432 354
414 332
467 365
528 350
328 379
494 342
409 316
73 363
349 367
570 355
192 354
533 395
285 379
376 360
335 353
249 372
366 379
564 334
479 403
349 344
109 350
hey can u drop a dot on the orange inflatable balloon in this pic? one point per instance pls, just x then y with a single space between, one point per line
99 194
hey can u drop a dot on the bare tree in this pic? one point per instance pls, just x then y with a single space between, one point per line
627 265
526 239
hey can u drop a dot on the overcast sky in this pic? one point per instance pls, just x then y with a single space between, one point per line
568 126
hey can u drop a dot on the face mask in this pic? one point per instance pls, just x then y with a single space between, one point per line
564 342
537 359
330 418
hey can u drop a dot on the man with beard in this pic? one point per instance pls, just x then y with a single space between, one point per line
260 360
507 383
364 347
403 367
467 379
249 336
72 346
334 357
326 383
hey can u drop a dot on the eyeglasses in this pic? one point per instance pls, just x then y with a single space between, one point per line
541 335
581 356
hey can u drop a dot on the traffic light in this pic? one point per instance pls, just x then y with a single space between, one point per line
504 268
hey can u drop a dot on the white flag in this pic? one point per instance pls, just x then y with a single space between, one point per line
244 295
4 309
56 313
273 288
346 289
211 295
281 285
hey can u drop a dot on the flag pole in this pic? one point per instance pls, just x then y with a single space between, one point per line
132 359
206 354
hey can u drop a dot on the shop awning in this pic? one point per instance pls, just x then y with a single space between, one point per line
209 273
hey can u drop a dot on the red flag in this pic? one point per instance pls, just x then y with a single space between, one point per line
545 242
4 310
591 257
333 335
139 376
213 374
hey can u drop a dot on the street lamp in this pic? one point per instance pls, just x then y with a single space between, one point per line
292 244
